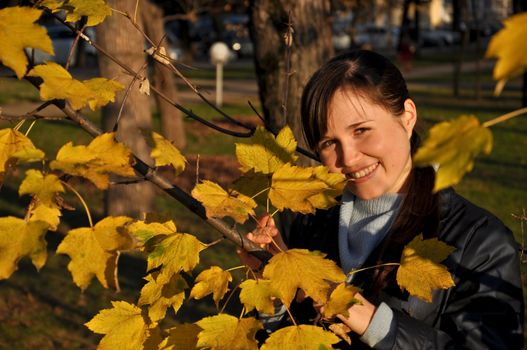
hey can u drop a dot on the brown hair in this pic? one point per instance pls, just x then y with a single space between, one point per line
374 77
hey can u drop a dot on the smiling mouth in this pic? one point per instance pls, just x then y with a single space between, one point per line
362 173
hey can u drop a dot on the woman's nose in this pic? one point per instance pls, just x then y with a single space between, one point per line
349 155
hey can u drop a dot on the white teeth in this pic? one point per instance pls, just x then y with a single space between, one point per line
363 172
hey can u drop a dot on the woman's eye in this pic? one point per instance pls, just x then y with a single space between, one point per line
360 131
326 144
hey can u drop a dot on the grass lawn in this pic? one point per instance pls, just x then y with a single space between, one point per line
45 310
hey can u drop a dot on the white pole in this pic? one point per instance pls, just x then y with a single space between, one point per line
219 84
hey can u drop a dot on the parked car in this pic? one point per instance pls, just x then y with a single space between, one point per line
438 37
378 37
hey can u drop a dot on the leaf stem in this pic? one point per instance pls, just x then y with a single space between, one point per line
274 212
259 193
120 12
30 127
236 268
215 242
82 201
229 298
505 117
19 125
290 315
372 267
242 313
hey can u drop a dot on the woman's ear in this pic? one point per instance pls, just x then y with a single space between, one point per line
409 117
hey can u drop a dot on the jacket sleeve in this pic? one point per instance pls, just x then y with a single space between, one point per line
485 308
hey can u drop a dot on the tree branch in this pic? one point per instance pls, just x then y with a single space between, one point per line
172 190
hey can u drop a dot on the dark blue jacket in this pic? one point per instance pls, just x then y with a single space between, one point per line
484 310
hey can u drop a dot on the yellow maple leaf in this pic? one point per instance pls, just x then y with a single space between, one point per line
212 280
342 331
340 300
95 10
59 84
452 146
265 153
44 188
143 231
53 5
220 203
182 336
300 268
112 234
103 91
292 186
176 252
13 144
95 162
510 48
300 338
161 295
254 185
165 153
88 259
18 31
336 183
124 327
420 271
258 294
228 332
50 215
18 239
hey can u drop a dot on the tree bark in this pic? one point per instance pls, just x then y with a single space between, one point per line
172 126
119 38
312 46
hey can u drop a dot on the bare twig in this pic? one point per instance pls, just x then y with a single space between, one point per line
128 90
255 111
30 115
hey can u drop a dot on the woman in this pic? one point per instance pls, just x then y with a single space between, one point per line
358 117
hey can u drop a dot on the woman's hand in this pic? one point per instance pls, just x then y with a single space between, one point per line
267 236
360 315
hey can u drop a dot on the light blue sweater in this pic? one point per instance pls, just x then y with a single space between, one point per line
362 226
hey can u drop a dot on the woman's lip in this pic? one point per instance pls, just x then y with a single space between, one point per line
365 177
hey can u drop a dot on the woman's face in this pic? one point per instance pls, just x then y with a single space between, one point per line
368 144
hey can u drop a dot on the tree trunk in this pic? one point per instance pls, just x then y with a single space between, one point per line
312 46
118 37
172 126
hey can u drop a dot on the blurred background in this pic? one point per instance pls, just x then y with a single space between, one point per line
438 44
